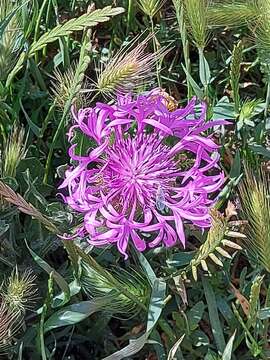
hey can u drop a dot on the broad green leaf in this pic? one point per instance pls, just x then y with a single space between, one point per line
264 313
260 150
223 110
195 315
147 267
235 171
199 338
180 259
211 356
76 313
158 345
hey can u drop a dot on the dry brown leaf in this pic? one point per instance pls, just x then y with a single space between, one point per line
241 298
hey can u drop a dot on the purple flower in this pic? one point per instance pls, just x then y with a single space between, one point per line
150 171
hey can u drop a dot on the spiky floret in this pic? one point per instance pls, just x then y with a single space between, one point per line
196 16
232 13
262 33
132 185
11 38
10 322
19 290
62 85
96 284
255 203
151 7
128 70
12 153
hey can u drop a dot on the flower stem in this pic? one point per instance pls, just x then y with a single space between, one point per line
55 138
267 100
155 50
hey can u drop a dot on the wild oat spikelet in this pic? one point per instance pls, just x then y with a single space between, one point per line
128 70
12 153
9 325
96 284
19 290
10 39
196 15
262 35
151 7
235 72
255 203
62 84
232 13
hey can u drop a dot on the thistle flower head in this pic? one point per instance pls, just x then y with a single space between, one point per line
128 70
19 290
134 186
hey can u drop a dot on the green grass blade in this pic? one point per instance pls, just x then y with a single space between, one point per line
213 315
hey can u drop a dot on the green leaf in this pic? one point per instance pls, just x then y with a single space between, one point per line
20 352
76 313
74 288
213 315
195 315
197 90
211 355
199 338
223 110
204 70
227 354
174 349
264 313
260 150
254 300
36 130
147 267
235 171
61 282
180 259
